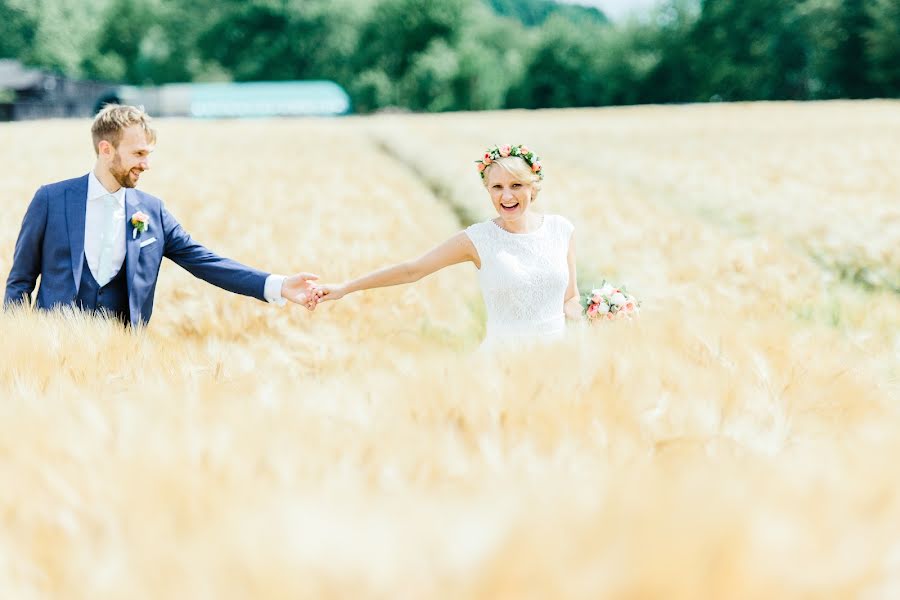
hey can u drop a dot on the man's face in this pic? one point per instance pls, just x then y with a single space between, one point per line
130 159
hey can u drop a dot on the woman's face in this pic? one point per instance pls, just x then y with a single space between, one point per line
510 195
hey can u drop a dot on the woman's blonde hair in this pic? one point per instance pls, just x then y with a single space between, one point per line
113 119
518 168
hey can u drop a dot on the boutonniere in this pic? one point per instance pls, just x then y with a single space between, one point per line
140 222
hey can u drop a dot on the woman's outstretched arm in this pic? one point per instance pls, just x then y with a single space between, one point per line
572 306
457 249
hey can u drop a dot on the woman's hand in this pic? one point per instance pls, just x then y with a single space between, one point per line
330 291
573 309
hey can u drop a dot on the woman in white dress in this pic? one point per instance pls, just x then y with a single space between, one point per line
526 260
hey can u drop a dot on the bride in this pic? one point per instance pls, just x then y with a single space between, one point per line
525 260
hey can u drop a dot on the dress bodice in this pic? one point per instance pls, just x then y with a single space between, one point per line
523 278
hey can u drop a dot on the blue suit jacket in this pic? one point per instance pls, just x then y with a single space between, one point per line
51 244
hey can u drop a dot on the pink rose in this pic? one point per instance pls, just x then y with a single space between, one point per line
481 167
505 150
140 223
629 306
592 310
524 150
610 316
536 167
597 298
487 158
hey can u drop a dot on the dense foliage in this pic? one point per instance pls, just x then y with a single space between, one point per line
469 54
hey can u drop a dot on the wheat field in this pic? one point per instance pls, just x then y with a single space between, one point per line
737 441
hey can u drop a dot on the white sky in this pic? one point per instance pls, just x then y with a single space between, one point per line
615 9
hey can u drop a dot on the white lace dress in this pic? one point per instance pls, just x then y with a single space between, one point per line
523 279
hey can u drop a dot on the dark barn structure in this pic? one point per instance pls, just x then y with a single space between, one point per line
36 94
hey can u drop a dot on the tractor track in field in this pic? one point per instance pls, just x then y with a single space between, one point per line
464 216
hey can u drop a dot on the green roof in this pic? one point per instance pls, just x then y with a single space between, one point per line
264 99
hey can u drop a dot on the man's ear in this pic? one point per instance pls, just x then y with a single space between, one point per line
104 148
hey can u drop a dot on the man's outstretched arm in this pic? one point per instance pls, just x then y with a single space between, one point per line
231 275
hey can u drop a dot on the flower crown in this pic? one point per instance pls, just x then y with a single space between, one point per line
495 152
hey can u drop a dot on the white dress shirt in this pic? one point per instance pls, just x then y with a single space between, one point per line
93 237
94 225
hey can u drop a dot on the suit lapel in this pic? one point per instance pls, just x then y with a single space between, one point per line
76 207
132 242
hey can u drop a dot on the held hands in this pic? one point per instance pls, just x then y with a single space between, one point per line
329 291
300 289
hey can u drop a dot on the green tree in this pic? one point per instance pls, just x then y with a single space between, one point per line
672 71
428 84
474 54
398 30
848 65
118 55
265 40
152 42
373 89
60 32
473 74
754 50
883 47
170 50
562 69
492 57
17 30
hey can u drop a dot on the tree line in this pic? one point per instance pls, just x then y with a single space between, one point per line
429 55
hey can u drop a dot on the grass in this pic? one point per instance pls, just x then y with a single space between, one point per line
737 441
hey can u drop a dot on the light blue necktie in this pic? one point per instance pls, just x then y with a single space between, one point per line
104 271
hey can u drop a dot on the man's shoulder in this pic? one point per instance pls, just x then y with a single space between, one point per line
61 186
148 200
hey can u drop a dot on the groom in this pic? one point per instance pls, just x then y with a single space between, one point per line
98 243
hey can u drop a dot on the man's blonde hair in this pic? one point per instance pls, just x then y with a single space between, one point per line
113 119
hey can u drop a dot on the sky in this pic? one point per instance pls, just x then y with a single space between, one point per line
616 9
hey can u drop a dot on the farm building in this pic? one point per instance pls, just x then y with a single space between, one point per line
36 94
252 99
27 93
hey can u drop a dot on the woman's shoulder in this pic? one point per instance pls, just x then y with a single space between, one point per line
482 224
481 228
560 223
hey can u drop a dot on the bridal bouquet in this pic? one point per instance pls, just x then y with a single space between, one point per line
609 302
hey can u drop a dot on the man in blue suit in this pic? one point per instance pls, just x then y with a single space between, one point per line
97 242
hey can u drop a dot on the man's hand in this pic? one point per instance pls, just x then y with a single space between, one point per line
299 289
